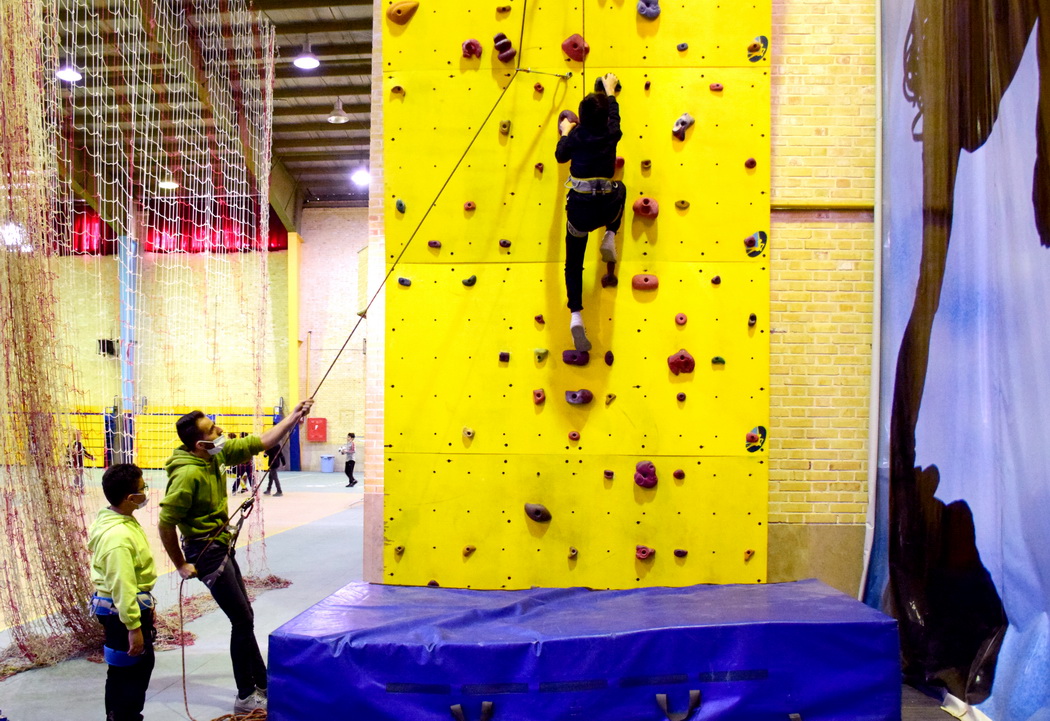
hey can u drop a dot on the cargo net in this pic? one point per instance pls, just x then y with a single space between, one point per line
134 277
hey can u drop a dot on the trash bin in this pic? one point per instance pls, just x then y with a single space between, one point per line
327 464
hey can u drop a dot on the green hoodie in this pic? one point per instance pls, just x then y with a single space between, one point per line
195 498
121 563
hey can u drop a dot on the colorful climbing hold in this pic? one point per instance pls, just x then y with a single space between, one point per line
433 584
646 207
716 87
757 49
681 319
504 356
755 439
648 84
575 357
397 90
748 555
400 205
681 204
538 87
572 552
504 48
503 9
679 474
471 48
645 281
680 396
645 474
579 398
539 319
468 432
575 47
751 320
608 358
681 362
469 205
401 12
434 243
504 243
539 167
643 553
684 122
568 115
750 163
609 398
467 550
649 9
574 435
716 280
399 550
541 354
609 474
404 281
539 396
755 243
682 47
619 162
504 127
718 361
680 553
469 282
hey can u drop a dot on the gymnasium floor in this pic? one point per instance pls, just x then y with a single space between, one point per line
314 535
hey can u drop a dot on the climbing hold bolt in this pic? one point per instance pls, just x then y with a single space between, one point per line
750 163
434 243
682 47
467 550
401 12
575 47
404 281
645 474
751 320
572 552
399 550
644 552
541 354
680 396
539 396
681 362
400 205
579 398
504 356
471 48
680 553
504 48
575 357
539 319
504 127
469 205
716 87
645 281
433 584
609 398
716 280
649 9
748 554
539 167
679 474
608 357
646 207
574 435
469 282
468 432
681 204
680 319
718 361
609 474
684 122
538 87
504 243
646 164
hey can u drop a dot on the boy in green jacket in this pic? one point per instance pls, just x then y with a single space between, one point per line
123 575
195 501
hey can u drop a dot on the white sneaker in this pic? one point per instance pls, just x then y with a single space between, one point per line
608 247
254 701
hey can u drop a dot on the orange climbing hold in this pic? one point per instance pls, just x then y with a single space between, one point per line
401 12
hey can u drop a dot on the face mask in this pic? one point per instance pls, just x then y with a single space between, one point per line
217 445
145 501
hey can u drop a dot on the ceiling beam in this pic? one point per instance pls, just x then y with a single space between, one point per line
317 27
324 51
319 125
353 143
336 156
327 91
266 5
285 111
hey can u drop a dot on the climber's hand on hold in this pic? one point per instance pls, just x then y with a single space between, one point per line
610 81
566 126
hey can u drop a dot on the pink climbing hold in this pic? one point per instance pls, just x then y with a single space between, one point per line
679 474
645 281
469 205
680 319
752 437
574 435
645 474
681 362
643 553
750 241
539 396
575 47
646 207
471 48
716 87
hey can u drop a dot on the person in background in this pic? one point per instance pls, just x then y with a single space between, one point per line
348 450
77 452
275 456
123 575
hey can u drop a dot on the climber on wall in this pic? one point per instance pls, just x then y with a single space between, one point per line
594 199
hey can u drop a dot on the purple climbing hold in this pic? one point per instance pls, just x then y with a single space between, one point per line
645 474
579 398
434 243
751 320
680 396
609 474
504 243
679 474
539 167
469 282
717 280
682 47
608 357
649 9
681 362
575 357
537 512
750 163
504 356
539 319
404 281
680 553
433 584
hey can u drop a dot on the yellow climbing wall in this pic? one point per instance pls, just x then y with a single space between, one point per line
466 446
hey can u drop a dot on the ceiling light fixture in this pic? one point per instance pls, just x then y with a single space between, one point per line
69 73
361 177
168 184
338 116
306 59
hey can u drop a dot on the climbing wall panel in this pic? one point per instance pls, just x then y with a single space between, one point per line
476 319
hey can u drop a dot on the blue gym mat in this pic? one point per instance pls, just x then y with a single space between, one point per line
373 652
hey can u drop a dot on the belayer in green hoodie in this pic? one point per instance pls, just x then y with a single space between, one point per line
123 575
195 501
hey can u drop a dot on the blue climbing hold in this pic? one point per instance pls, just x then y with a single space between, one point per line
400 205
404 281
682 47
649 9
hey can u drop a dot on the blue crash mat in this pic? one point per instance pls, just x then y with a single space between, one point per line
372 652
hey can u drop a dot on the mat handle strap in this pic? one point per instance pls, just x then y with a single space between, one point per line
694 704
487 708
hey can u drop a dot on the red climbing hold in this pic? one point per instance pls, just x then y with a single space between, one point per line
646 207
539 319
608 474
716 87
750 241
680 553
644 552
539 396
574 435
647 84
681 362
433 584
579 398
539 167
645 474
680 396
679 474
750 163
645 281
471 48
575 357
469 205
752 437
504 48
538 87
680 319
619 162
575 47
504 356
717 280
